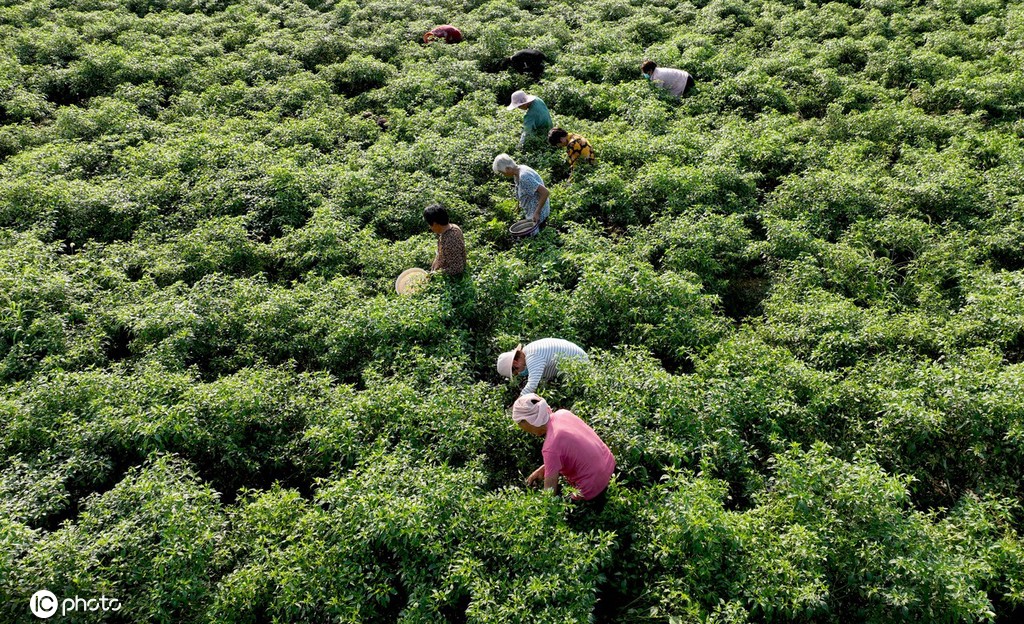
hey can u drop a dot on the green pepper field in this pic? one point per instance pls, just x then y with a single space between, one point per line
801 288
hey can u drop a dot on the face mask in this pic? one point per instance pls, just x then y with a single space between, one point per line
524 373
647 76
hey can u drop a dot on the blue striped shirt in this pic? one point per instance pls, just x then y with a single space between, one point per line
542 360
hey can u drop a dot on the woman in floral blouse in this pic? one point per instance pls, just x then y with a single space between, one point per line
451 246
576 147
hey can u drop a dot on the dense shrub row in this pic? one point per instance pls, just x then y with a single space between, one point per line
800 288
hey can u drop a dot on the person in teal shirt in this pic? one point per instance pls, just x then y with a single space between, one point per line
537 121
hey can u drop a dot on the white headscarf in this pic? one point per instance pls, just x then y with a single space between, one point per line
532 409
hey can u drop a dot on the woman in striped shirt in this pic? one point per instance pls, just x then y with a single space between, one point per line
537 361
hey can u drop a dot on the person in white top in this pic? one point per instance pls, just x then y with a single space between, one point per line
675 81
537 361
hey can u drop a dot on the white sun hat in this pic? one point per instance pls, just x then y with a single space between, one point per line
519 98
505 361
410 280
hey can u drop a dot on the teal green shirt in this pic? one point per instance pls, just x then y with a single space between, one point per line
537 121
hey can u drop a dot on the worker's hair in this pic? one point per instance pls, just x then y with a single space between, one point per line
648 67
555 136
435 213
502 163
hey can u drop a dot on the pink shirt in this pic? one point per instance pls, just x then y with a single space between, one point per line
573 449
449 33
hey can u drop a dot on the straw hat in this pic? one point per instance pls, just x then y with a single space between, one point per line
505 361
519 98
409 280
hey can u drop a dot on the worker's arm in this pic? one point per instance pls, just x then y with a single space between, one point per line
536 476
551 482
542 197
534 379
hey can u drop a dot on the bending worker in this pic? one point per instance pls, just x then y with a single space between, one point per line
536 122
528 61
446 33
675 81
576 147
532 195
571 448
537 361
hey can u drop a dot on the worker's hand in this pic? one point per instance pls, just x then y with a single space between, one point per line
536 477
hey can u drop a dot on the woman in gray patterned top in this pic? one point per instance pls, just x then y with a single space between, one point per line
529 189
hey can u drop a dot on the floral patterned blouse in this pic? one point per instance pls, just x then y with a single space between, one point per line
451 252
577 148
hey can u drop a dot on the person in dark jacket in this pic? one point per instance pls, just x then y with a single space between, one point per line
528 61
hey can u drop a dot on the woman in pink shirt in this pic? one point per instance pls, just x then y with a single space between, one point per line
571 449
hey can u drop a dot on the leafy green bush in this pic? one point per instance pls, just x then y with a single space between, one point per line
358 74
397 541
629 302
828 539
150 542
213 404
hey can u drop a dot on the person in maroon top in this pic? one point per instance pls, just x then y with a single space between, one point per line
446 33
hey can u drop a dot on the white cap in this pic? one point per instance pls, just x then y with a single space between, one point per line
505 361
531 408
519 98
